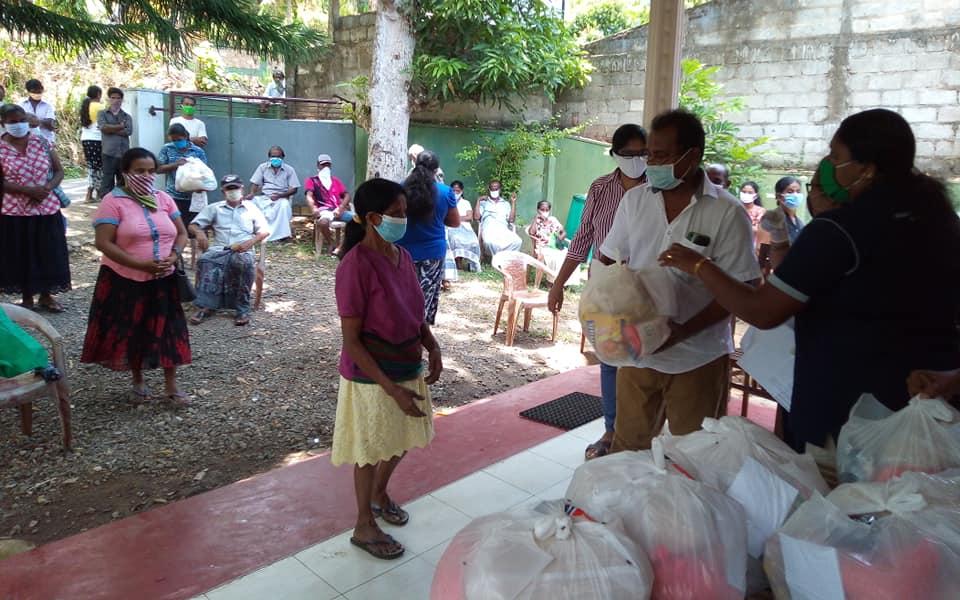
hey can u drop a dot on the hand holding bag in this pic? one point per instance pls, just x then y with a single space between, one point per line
184 285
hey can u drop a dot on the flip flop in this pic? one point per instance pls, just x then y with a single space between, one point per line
241 321
392 514
200 316
597 449
376 548
140 396
178 400
52 306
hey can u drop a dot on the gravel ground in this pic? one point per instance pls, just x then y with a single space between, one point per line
263 395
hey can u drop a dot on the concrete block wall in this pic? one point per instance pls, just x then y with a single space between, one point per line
800 67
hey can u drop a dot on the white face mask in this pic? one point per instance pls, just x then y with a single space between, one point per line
631 166
747 197
233 195
325 177
494 194
459 195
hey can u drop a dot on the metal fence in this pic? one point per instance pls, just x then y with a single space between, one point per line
259 107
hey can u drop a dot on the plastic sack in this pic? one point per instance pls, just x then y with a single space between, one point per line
625 313
19 352
871 541
694 535
194 176
752 466
541 554
877 444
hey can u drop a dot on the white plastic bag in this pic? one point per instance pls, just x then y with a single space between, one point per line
198 202
194 176
541 554
871 541
625 313
752 466
694 535
877 444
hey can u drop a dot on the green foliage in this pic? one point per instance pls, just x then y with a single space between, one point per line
699 93
357 107
502 157
492 51
607 19
64 27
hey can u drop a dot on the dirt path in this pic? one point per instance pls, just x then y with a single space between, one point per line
264 395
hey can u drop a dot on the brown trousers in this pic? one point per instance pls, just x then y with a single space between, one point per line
645 398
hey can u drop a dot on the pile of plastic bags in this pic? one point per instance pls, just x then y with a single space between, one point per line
546 553
625 313
877 444
194 176
872 541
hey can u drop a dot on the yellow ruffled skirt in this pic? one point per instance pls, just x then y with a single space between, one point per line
370 427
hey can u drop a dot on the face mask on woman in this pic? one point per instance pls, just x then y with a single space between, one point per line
459 195
140 183
661 177
827 172
544 214
17 130
631 166
180 144
747 197
276 162
392 229
792 201
494 194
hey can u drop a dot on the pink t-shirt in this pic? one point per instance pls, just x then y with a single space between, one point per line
142 233
29 168
388 298
326 199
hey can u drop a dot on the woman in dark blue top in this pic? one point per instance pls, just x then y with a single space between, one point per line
431 205
874 284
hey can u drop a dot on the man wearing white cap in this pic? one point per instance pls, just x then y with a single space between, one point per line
328 197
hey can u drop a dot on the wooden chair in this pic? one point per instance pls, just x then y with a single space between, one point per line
748 386
258 277
22 390
516 294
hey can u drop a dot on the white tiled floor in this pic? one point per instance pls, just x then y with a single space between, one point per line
334 569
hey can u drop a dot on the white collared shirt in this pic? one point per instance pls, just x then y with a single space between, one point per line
44 110
640 233
231 225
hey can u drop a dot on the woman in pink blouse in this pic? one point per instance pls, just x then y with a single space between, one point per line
136 318
33 241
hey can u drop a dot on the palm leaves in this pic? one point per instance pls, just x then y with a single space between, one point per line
64 27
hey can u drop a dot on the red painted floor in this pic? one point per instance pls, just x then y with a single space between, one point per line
191 546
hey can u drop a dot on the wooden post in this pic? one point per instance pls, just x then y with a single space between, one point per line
332 22
664 45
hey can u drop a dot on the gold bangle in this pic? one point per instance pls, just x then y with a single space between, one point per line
696 267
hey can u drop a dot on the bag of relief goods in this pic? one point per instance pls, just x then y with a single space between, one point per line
625 313
194 176
551 552
872 541
878 444
694 535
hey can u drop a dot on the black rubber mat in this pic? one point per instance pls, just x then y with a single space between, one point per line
567 412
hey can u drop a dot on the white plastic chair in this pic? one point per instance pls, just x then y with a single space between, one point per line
517 295
22 390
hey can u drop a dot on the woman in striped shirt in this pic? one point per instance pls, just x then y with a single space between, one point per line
629 150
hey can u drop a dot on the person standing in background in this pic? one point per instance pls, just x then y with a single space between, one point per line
116 127
750 198
90 139
40 113
194 126
174 155
629 150
719 175
782 223
278 87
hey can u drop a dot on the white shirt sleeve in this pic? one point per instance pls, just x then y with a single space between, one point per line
733 251
201 129
616 245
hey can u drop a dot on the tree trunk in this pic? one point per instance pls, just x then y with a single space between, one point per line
334 15
390 93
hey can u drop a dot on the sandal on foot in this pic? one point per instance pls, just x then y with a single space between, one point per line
51 305
391 513
200 316
178 400
597 449
241 321
139 396
379 548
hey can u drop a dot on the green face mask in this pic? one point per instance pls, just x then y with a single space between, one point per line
828 182
187 110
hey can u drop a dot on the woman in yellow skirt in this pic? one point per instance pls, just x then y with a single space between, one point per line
383 407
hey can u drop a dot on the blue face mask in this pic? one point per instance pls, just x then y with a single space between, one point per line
392 229
792 201
180 144
661 177
276 162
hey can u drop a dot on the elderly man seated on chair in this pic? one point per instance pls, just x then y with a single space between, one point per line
326 197
226 270
272 185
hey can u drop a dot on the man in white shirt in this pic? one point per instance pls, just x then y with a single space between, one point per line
273 184
40 113
278 87
194 126
687 380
